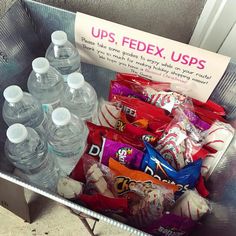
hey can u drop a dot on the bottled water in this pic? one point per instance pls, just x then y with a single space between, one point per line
67 136
46 84
28 152
62 54
21 107
80 98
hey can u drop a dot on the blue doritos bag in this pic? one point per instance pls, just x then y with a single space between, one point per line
155 165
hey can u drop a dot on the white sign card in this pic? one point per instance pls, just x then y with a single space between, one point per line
124 49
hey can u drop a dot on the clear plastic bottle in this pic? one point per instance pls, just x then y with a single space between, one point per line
28 152
63 55
67 136
21 107
80 98
46 84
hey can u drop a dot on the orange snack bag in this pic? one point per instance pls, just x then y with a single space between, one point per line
126 178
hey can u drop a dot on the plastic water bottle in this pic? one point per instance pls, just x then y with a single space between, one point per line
28 152
63 55
21 107
46 84
67 136
80 98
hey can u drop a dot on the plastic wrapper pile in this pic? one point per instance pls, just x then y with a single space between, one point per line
148 158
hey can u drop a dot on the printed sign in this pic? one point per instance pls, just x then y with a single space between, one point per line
124 49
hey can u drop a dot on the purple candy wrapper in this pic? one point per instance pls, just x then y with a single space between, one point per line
195 120
122 90
124 153
171 225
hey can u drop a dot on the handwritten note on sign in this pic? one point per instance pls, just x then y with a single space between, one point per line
124 49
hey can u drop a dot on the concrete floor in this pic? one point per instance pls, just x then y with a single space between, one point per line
52 219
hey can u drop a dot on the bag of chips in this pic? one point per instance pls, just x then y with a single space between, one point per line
125 178
181 142
124 153
155 165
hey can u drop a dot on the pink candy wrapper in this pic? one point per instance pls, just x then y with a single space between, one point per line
196 121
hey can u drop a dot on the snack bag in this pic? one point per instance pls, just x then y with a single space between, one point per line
147 196
124 153
108 114
154 200
121 89
196 121
167 100
218 137
95 143
78 171
98 193
136 109
137 130
155 165
133 82
218 134
97 133
129 80
126 178
99 179
180 142
191 205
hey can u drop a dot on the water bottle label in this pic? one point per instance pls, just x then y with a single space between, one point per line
48 108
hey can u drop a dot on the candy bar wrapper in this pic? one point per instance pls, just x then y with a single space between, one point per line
124 153
108 114
69 188
196 121
117 88
180 142
191 205
171 224
155 165
99 178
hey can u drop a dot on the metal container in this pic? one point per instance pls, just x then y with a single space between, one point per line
25 34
